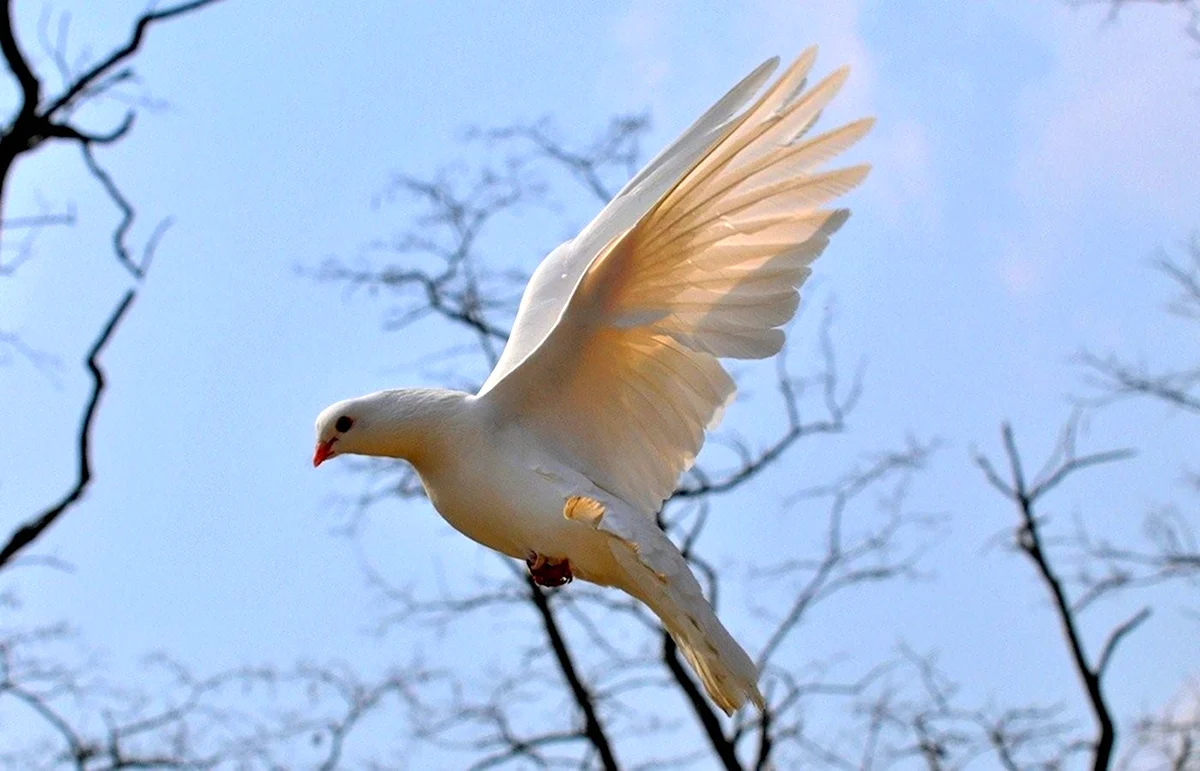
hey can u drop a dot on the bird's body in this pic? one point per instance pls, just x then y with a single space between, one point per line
611 376
496 485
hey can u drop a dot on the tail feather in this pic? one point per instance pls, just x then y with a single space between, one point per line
724 669
657 574
652 569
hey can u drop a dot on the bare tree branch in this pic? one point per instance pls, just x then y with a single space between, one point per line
1119 379
1105 568
1169 739
249 717
32 125
724 748
32 530
583 699
1187 7
31 87
1115 637
1115 378
39 220
929 721
844 562
35 123
700 482
136 268
1029 539
617 146
104 67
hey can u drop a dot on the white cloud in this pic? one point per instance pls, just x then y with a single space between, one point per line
668 67
1115 121
641 38
667 54
903 186
785 27
1106 139
1020 274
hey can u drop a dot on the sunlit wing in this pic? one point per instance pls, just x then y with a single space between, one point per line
555 279
700 257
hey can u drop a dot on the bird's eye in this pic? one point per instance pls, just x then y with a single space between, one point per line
344 424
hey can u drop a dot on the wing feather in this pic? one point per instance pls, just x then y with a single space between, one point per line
626 379
554 281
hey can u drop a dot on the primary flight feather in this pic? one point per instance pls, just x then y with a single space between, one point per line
603 394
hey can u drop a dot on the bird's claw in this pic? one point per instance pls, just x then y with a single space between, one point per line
549 572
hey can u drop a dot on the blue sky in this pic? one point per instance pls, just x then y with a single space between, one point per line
1029 159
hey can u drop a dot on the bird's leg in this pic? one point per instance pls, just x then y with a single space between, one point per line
546 571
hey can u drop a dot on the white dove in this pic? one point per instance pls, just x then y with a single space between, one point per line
604 391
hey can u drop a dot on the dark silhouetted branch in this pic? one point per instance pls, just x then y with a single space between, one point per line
583 699
1169 739
845 562
926 719
101 69
31 531
35 123
1030 541
120 248
17 64
724 748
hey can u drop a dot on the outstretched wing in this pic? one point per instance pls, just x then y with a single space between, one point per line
701 258
552 283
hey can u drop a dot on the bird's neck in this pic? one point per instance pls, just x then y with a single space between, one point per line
415 424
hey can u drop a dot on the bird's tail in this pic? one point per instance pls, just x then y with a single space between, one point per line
726 670
654 571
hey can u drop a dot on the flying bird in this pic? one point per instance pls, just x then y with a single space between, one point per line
611 376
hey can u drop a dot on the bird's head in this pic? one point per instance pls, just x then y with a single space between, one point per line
401 423
339 429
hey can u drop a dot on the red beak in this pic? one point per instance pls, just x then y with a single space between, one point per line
323 452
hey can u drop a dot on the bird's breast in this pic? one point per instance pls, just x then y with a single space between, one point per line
495 494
